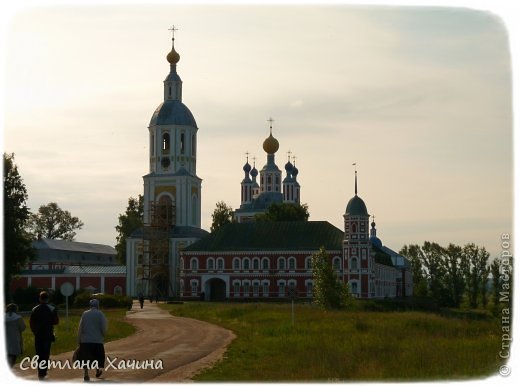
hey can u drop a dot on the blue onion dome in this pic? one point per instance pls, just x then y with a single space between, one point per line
295 171
289 167
247 167
254 172
376 242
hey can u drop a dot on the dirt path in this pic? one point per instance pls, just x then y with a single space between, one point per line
185 346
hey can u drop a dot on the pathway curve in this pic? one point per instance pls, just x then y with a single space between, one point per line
185 346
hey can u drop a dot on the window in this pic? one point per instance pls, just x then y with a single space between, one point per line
152 144
354 287
281 289
182 143
236 264
265 288
308 262
336 264
194 288
118 290
220 264
256 289
363 253
193 145
281 263
354 264
309 288
265 263
256 264
246 263
246 289
354 228
165 143
292 263
236 288
170 91
194 264
211 264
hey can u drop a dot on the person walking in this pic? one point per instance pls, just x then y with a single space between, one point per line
14 326
141 300
91 336
43 319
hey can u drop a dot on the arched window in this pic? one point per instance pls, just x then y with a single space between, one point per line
236 288
256 264
281 263
246 288
236 264
211 264
194 263
220 263
336 264
182 144
354 263
309 288
292 263
308 262
165 143
246 263
194 287
281 289
265 288
265 263
256 288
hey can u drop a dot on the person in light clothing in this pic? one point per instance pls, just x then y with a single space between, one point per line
91 337
14 325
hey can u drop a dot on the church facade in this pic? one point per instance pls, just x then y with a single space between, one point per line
273 260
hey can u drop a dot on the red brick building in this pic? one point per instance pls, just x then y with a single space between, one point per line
85 265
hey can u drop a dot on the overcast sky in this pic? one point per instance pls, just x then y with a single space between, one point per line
419 98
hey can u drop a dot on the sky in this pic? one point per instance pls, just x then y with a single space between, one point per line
418 97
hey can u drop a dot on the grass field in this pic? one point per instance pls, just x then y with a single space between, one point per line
346 345
67 337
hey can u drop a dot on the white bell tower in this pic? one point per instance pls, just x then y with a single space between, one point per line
172 178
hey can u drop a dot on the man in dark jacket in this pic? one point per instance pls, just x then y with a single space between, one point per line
43 318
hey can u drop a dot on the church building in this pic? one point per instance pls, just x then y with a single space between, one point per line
255 198
172 256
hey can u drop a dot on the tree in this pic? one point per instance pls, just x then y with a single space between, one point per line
455 263
476 273
328 290
285 212
414 254
222 215
497 281
432 258
52 222
129 221
18 250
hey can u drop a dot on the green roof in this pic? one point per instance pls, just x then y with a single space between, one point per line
356 207
272 236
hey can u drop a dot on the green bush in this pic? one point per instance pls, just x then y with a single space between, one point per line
82 300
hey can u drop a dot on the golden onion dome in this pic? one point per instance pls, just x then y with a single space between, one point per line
271 144
173 56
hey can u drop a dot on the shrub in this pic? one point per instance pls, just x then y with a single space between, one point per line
82 300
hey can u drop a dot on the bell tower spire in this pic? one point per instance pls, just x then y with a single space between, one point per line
173 82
